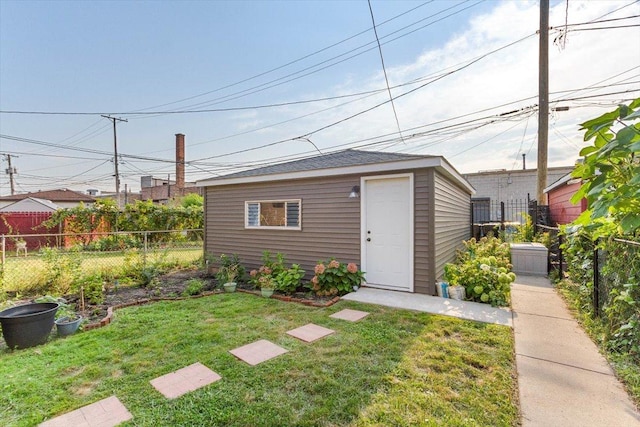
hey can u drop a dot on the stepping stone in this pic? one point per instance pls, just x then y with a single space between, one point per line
184 380
350 315
258 352
107 412
310 332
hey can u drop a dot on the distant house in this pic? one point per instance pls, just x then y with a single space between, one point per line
559 193
62 198
514 188
401 217
30 204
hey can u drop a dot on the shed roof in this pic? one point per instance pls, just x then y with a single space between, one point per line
31 204
566 179
59 195
338 163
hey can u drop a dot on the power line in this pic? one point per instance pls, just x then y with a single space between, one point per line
288 63
384 69
301 73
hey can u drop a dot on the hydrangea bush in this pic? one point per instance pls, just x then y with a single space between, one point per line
335 278
484 271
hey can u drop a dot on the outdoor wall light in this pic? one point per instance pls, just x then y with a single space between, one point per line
355 192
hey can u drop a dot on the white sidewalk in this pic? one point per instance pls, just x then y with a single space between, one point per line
436 305
563 379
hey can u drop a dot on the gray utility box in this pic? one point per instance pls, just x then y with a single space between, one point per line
529 258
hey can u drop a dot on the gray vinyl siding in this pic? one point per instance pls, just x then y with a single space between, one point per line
330 222
423 232
452 220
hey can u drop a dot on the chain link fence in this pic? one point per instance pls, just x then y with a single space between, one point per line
39 263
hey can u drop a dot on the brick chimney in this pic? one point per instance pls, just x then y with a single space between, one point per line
179 161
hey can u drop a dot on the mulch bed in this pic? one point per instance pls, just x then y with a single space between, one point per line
172 286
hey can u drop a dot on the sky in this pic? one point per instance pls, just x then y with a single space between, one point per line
250 83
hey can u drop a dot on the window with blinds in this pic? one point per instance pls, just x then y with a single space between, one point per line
276 214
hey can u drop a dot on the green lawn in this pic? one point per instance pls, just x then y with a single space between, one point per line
394 367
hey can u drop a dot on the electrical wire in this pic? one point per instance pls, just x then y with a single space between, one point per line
384 69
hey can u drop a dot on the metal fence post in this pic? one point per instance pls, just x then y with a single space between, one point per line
596 282
502 216
144 257
560 257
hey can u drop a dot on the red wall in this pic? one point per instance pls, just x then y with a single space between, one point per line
13 223
560 206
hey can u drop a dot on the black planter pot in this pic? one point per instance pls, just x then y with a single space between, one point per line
28 325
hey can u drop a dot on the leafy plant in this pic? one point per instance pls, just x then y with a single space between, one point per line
269 269
230 269
484 270
63 269
93 288
288 280
611 169
335 278
65 310
193 287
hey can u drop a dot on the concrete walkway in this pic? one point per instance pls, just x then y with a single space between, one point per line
563 379
436 305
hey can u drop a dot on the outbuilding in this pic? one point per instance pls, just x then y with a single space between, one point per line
400 216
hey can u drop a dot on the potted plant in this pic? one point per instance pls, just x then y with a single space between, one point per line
66 319
230 273
266 285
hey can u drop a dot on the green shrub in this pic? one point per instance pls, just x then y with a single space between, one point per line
288 280
268 271
335 278
92 288
193 287
484 271
63 269
114 242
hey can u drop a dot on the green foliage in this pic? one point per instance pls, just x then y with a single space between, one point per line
335 278
103 215
231 269
619 274
524 232
93 288
288 280
193 287
484 270
192 200
63 269
265 276
611 169
114 242
64 308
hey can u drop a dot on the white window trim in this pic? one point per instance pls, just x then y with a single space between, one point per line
263 227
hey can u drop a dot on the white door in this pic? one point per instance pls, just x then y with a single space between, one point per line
388 232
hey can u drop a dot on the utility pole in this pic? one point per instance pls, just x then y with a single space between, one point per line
10 170
524 161
115 155
543 101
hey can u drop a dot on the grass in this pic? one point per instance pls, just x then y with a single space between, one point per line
395 367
